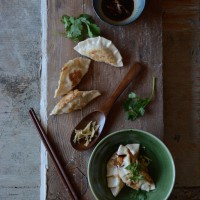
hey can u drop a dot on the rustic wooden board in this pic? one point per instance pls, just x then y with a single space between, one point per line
140 41
181 58
185 193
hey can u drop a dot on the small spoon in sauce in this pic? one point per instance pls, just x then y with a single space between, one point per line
100 115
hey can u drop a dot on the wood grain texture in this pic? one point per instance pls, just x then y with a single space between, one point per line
181 50
185 193
140 41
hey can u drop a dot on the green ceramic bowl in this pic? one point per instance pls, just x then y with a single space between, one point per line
161 168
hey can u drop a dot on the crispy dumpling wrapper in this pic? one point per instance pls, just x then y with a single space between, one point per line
112 169
115 190
134 149
71 75
100 49
113 180
130 155
74 100
118 175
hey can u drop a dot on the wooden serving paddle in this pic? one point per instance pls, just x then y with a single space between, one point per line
100 115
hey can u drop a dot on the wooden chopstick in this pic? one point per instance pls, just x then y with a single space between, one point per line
52 154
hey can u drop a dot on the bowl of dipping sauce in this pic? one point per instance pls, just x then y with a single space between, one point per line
118 12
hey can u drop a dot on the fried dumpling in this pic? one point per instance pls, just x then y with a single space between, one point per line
115 190
100 49
129 154
71 75
74 100
113 180
112 166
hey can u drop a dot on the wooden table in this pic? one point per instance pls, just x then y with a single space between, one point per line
181 70
146 47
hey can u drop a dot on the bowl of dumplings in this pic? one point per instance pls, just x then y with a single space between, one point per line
131 164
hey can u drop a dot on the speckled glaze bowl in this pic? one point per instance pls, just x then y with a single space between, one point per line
161 168
138 8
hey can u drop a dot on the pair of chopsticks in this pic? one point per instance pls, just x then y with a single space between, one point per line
52 154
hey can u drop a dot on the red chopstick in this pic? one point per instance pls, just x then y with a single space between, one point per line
52 154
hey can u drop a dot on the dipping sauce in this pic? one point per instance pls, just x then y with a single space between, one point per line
117 10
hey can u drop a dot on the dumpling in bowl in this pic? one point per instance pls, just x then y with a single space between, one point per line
129 154
100 49
74 100
113 180
71 75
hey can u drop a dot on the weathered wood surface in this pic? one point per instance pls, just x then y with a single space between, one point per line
185 193
141 41
20 38
19 90
181 55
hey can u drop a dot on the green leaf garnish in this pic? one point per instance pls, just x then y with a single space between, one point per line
80 28
135 171
135 106
140 195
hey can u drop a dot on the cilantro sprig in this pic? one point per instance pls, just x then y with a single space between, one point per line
139 195
135 171
135 105
80 28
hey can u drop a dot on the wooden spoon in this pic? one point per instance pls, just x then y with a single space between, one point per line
100 115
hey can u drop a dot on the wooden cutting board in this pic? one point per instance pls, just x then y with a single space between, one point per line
141 41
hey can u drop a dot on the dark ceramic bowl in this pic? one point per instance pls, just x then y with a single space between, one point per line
138 8
161 168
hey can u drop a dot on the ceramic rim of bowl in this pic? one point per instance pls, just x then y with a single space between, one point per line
137 130
135 15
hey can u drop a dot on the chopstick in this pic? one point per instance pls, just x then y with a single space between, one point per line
52 154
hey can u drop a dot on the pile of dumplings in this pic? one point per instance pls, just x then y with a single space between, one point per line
99 49
117 174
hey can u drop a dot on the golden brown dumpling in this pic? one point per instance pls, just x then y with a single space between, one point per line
113 179
74 100
71 75
100 49
130 154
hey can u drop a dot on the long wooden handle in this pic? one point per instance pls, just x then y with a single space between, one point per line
132 73
53 155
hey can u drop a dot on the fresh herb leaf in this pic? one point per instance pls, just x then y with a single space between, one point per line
90 34
132 95
141 195
72 19
80 28
87 17
65 20
94 29
135 170
76 29
138 195
135 106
